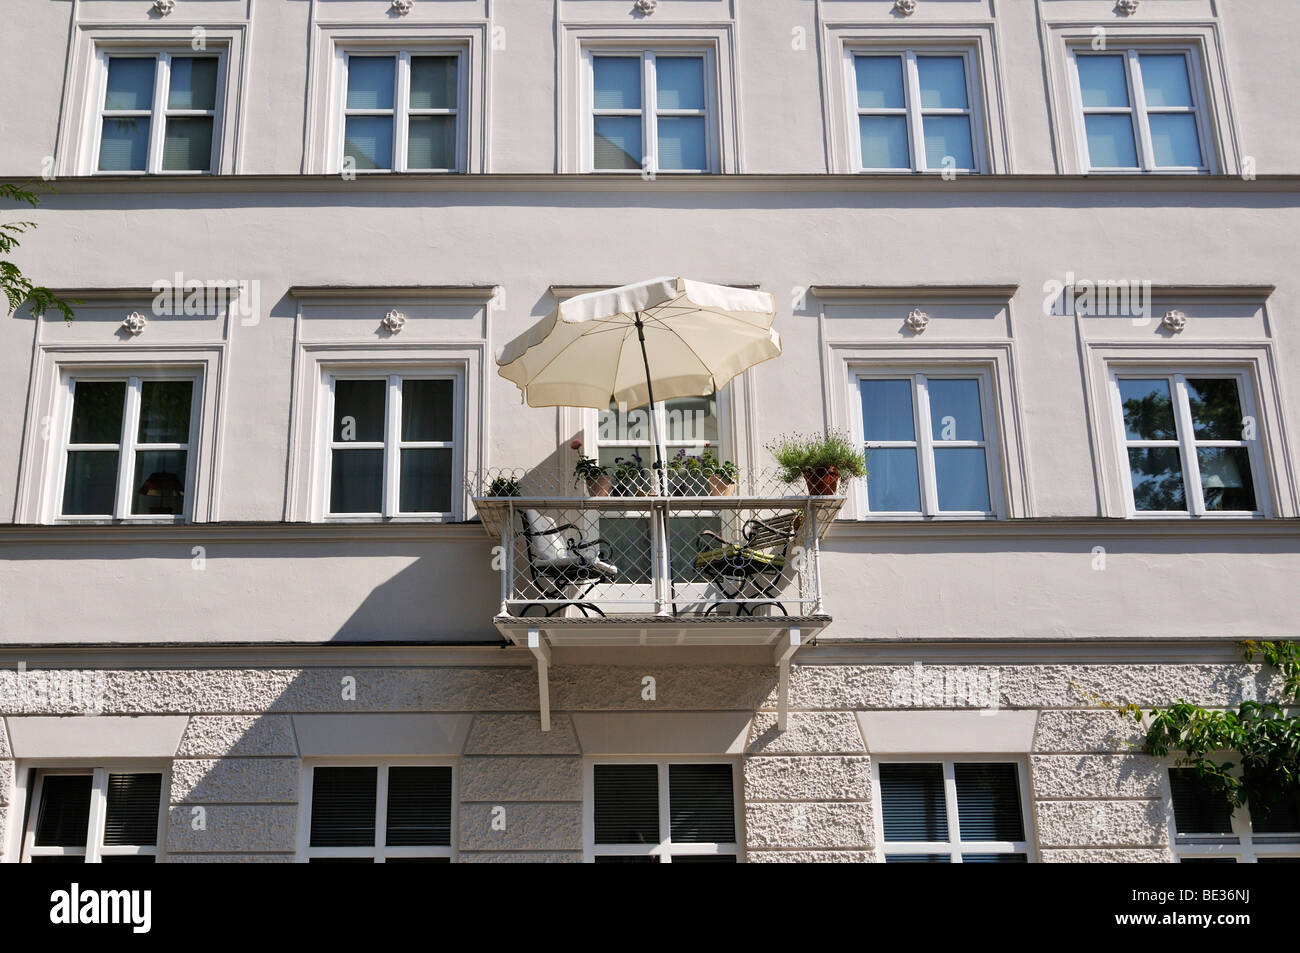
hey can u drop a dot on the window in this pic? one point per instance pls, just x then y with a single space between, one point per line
159 113
927 444
127 447
1140 111
380 814
651 111
659 811
1185 441
401 112
1207 829
94 816
952 812
914 112
392 445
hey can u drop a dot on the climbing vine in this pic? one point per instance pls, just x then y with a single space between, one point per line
1265 735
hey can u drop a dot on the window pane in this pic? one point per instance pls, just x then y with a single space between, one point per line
912 802
1226 482
1164 79
892 482
692 420
193 83
433 82
918 859
884 142
701 803
616 142
887 410
128 859
626 803
629 540
994 859
1198 809
704 858
963 478
943 81
343 807
426 481
680 82
97 411
187 144
1174 139
131 817
955 408
78 859
625 859
359 410
431 143
427 409
1102 81
988 803
130 82
1157 475
948 136
1273 809
65 811
357 481
682 143
617 82
368 140
124 144
90 484
880 82
370 82
419 807
1216 408
1148 409
160 482
165 411
1110 142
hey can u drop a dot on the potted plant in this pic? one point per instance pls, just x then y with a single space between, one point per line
630 477
721 473
686 475
588 470
821 459
504 486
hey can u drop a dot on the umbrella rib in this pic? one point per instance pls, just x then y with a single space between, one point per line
707 370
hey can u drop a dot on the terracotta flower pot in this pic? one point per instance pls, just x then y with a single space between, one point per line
599 485
721 486
822 481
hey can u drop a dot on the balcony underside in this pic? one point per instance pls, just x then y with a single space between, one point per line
655 630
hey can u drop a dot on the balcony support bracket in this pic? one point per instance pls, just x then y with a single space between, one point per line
542 652
785 649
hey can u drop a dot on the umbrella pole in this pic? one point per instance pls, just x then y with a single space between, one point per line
650 387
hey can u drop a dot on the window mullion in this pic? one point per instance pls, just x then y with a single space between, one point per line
1138 98
126 462
98 815
392 451
381 810
1187 447
925 442
950 806
650 114
162 84
665 814
915 122
401 111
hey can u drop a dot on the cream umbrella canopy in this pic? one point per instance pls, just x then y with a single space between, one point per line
654 340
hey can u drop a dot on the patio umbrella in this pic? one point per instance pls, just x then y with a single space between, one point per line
654 340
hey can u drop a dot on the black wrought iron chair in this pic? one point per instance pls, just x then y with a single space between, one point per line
560 560
754 563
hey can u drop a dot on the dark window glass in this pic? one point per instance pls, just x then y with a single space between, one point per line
97 412
357 481
426 480
419 807
359 410
704 859
160 482
994 859
1274 810
701 804
626 803
131 817
1148 409
912 801
988 802
1198 809
64 812
165 411
1216 408
343 807
427 410
616 859
90 484
918 858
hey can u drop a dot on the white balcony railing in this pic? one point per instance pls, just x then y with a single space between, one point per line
682 546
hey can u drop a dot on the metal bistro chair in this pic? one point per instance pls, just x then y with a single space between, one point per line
755 562
559 559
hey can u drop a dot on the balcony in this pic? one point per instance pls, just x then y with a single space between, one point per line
678 560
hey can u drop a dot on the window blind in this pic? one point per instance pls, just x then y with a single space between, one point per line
419 807
912 802
701 804
343 807
131 817
988 802
64 811
1274 810
626 803
1198 809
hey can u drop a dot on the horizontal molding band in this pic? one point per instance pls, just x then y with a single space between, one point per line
478 292
416 182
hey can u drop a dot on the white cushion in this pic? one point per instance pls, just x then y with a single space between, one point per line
551 547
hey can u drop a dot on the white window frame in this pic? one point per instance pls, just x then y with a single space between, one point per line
379 852
95 849
954 846
1187 442
650 111
1138 111
161 90
925 443
912 108
392 444
127 444
665 848
402 111
1243 845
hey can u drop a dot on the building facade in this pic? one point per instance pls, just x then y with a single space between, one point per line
263 598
